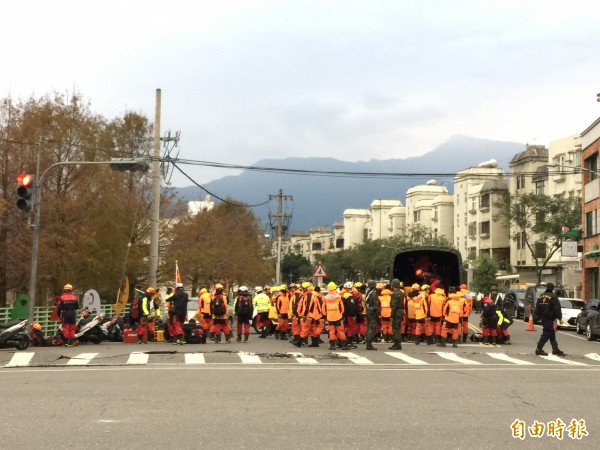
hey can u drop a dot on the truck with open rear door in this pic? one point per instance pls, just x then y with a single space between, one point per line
443 261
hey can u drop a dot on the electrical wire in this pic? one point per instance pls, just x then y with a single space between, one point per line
214 195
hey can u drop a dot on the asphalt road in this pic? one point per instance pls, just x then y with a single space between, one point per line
228 401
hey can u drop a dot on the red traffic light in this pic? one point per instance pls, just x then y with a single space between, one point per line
24 179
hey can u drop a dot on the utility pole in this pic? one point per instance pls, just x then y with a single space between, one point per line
281 223
155 208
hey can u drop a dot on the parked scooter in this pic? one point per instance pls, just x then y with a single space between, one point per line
13 334
89 329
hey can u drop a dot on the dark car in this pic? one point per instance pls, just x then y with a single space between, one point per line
531 296
588 320
516 299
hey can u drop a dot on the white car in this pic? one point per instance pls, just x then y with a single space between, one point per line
571 307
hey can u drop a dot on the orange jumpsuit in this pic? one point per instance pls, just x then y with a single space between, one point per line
295 297
385 300
206 321
282 304
333 307
466 313
437 300
452 315
421 311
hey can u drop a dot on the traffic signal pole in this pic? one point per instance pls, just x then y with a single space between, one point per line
128 164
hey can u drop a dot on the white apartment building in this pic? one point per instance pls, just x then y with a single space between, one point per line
377 222
194 207
431 206
476 189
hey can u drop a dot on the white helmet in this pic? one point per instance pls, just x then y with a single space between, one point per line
258 289
348 285
243 289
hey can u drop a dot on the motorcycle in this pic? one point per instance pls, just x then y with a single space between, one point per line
89 329
13 334
113 329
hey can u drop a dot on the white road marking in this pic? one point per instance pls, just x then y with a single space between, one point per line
82 359
576 336
564 361
138 358
454 357
409 359
353 357
594 356
20 359
249 358
303 359
505 357
194 358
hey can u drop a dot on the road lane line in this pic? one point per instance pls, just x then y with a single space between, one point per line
20 359
82 359
194 358
249 358
594 356
505 357
138 358
563 361
353 357
454 357
303 359
576 336
406 358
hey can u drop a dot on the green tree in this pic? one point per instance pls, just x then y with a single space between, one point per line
537 220
484 273
295 267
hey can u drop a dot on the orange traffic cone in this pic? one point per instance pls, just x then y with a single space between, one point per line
530 323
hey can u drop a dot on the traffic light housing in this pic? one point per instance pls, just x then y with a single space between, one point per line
130 164
25 192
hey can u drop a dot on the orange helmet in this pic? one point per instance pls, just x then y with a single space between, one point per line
37 326
418 272
151 290
68 287
379 286
416 287
463 286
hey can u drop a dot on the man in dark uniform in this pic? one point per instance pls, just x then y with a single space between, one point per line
397 313
548 310
67 308
373 310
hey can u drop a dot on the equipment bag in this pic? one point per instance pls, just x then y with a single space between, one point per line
245 305
218 306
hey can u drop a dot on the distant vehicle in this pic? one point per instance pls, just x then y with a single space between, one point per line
516 298
571 307
588 320
531 296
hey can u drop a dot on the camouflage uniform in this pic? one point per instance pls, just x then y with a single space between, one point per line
373 310
397 313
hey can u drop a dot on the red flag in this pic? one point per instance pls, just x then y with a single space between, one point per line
177 274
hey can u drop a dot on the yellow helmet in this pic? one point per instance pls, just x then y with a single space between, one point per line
203 291
68 287
306 284
37 326
331 286
424 287
218 286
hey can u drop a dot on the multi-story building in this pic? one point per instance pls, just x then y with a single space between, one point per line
476 189
431 206
377 222
564 156
590 142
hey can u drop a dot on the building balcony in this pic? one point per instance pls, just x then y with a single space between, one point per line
473 211
484 235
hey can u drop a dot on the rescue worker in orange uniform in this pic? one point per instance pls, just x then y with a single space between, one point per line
295 298
411 321
361 319
385 300
282 303
436 304
67 307
333 307
310 310
452 315
144 312
421 313
219 310
467 311
206 321
429 278
351 300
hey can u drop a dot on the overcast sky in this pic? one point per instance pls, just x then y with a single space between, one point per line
354 80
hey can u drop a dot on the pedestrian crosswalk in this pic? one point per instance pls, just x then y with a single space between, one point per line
370 359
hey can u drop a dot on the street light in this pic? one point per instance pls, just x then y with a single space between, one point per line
134 163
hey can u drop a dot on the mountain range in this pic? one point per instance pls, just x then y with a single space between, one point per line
321 200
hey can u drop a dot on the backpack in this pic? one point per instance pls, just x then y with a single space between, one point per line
218 306
351 306
244 305
135 308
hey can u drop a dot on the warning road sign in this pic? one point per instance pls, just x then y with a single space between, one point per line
319 272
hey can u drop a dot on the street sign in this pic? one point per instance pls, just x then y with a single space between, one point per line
569 248
319 272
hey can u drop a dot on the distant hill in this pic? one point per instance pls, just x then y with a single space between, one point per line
321 200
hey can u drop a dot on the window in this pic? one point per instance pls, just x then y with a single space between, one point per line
539 187
435 213
473 229
417 216
316 246
485 227
484 201
540 217
520 240
591 164
473 203
339 243
458 220
591 221
365 235
472 252
520 181
540 249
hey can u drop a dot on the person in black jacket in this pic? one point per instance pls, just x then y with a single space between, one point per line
179 300
548 310
490 321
